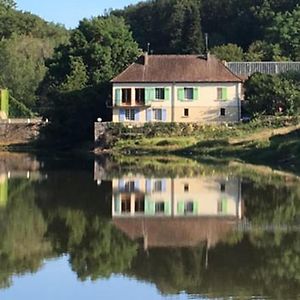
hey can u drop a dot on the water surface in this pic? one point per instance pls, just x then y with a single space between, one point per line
74 228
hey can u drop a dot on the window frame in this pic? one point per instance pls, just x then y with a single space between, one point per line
140 96
222 112
186 112
129 114
158 111
160 207
162 90
185 93
126 96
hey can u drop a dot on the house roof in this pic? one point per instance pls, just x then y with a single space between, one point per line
176 232
176 68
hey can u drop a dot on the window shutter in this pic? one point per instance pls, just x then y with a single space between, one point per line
224 93
180 94
149 95
167 208
121 184
196 94
136 185
117 96
149 115
149 206
148 186
164 185
122 115
167 94
117 203
164 115
136 114
196 208
180 207
224 205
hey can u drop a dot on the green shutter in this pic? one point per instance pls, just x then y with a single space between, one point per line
167 94
196 94
167 208
180 208
3 193
224 93
4 101
180 94
224 206
118 97
117 203
149 95
195 208
149 206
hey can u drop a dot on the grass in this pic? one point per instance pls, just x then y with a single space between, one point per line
274 144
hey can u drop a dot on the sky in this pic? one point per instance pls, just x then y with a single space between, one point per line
69 12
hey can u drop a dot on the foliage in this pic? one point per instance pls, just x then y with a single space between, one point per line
229 52
268 95
75 89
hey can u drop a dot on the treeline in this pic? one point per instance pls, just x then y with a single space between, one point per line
238 30
26 42
64 74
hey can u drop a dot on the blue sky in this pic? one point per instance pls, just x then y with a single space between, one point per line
69 12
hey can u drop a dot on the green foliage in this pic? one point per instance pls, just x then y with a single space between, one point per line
285 30
229 52
75 89
268 95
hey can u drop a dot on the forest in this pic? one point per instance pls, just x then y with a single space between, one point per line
64 75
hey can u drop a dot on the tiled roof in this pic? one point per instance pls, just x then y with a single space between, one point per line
176 232
177 68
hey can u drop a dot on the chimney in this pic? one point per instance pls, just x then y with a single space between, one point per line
206 47
146 58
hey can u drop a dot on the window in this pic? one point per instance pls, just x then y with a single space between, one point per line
188 93
140 96
222 187
126 96
130 114
186 112
159 207
139 203
186 187
222 111
129 186
220 93
188 207
220 206
126 203
157 114
158 186
160 93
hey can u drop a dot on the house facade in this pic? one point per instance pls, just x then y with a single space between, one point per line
176 88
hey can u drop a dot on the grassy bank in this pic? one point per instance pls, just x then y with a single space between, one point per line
270 141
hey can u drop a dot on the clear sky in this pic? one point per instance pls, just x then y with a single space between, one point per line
69 12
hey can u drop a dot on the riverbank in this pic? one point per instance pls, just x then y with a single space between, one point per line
275 143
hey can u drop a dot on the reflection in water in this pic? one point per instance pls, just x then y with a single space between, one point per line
180 232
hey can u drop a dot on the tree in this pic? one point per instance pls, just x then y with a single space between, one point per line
268 95
229 52
75 89
285 31
8 4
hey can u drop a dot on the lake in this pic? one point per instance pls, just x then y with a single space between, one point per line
146 228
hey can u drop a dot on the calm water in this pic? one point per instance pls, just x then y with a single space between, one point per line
74 228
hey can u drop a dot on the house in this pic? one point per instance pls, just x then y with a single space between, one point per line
4 96
176 88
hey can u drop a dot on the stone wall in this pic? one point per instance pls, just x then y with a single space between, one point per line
14 132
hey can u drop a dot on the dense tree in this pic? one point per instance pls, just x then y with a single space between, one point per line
75 90
285 30
268 95
229 52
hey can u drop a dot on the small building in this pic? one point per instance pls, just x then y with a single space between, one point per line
176 88
4 96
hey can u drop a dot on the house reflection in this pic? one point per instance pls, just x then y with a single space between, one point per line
179 212
179 197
